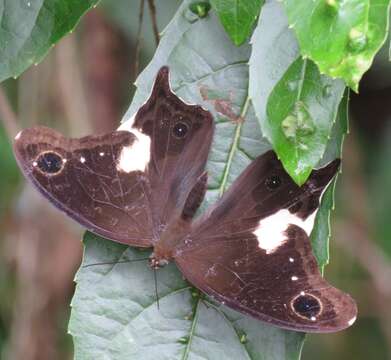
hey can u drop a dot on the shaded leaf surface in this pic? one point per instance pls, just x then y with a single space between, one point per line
341 37
114 312
295 104
321 233
29 28
237 17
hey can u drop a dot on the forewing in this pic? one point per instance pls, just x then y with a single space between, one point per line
252 251
181 135
84 178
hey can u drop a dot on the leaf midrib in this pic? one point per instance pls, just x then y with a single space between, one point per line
234 145
298 98
229 322
144 308
192 330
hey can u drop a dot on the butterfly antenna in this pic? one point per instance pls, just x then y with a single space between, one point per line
156 292
115 262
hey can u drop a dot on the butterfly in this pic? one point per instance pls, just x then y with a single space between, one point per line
143 184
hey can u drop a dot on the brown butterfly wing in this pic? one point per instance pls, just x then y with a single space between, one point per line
252 253
128 184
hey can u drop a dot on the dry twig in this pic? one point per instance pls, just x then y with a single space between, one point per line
138 38
70 82
152 11
8 116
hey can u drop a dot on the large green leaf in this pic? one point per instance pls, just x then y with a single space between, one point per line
341 37
29 28
295 104
237 17
114 312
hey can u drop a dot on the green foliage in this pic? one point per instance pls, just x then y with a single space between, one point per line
29 28
295 105
341 37
237 17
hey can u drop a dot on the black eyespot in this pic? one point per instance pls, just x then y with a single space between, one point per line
180 129
273 182
307 306
49 163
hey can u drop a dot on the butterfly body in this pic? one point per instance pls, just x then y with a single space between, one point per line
143 184
163 250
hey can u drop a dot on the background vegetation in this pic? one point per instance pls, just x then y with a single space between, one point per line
84 85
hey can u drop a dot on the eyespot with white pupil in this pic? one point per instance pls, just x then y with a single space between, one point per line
306 306
180 129
49 163
273 182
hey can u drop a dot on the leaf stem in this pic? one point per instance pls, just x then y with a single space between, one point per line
230 324
234 146
192 329
152 10
138 38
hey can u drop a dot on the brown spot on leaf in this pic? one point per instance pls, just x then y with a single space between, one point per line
221 105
